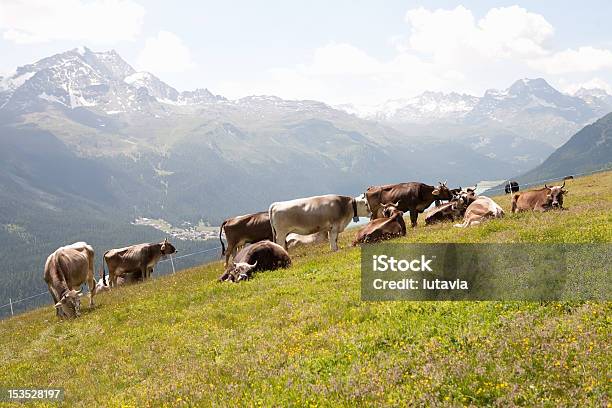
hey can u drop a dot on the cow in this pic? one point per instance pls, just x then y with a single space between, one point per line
327 213
249 228
66 270
511 187
295 240
414 197
443 212
543 199
136 259
452 210
390 226
570 177
260 256
479 209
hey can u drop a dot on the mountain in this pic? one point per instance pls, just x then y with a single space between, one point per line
598 99
530 113
424 108
588 150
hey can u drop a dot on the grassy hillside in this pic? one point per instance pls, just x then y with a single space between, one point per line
303 337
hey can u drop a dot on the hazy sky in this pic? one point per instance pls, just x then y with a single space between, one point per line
337 51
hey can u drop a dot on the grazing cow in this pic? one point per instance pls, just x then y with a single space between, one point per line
390 226
138 259
260 256
328 213
511 187
543 199
244 229
479 209
66 270
413 197
570 177
295 240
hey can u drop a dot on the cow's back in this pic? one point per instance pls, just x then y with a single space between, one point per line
250 226
318 211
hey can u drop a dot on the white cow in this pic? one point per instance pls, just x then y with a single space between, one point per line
304 216
482 208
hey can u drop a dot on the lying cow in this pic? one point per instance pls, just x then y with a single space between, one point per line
328 213
454 209
413 197
136 259
295 240
543 199
479 209
390 226
244 229
66 270
261 256
445 212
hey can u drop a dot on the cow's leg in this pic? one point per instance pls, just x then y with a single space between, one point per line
91 283
333 238
281 239
229 252
413 218
143 272
112 277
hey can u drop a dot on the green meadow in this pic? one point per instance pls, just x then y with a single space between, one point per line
303 337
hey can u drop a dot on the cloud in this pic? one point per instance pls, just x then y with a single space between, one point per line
97 21
441 50
505 32
584 59
594 83
165 53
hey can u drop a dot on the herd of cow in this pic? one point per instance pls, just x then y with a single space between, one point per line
264 237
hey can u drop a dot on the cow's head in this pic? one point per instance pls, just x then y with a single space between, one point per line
389 209
555 195
70 304
167 248
442 192
237 271
363 208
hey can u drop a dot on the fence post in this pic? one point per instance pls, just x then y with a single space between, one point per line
11 303
172 262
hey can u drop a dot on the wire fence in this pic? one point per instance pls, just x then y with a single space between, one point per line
537 182
13 302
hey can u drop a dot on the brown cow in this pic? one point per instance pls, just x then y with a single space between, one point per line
260 256
66 270
414 197
390 226
135 259
543 199
244 229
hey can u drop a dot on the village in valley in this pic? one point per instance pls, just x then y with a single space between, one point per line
185 232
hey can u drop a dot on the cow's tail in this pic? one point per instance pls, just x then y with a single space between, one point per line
272 223
221 239
103 270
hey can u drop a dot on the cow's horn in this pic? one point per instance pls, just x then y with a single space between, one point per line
58 304
252 266
396 204
563 184
546 185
